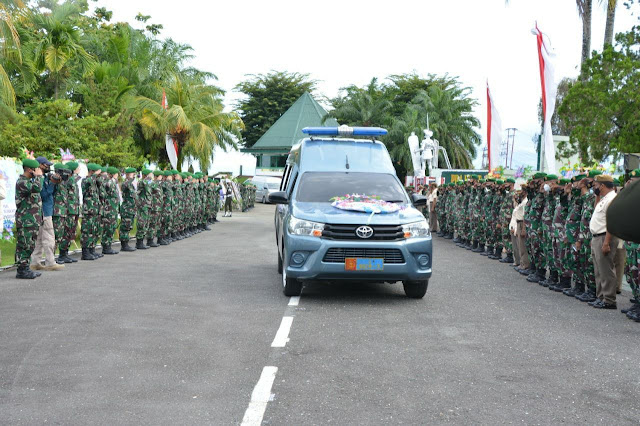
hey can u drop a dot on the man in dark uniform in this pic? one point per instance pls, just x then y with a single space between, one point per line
90 212
144 208
28 216
111 208
127 209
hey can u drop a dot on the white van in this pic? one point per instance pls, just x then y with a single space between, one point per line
264 186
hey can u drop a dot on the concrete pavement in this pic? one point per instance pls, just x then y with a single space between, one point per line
181 335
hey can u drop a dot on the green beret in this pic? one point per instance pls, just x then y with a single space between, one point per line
72 165
510 180
32 164
112 170
473 177
166 173
491 180
60 166
482 180
93 167
619 181
130 170
104 169
174 172
564 181
499 181
635 173
145 172
459 183
157 173
594 173
579 177
540 175
550 177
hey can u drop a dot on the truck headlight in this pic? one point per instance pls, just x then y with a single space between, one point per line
305 227
416 229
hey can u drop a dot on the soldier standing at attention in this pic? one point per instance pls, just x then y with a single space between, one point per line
60 203
583 245
560 249
572 229
127 209
110 210
506 211
73 211
165 216
156 208
90 212
178 207
144 208
28 216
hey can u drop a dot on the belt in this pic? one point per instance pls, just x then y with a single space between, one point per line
599 235
519 221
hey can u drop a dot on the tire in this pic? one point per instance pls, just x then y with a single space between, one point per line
415 289
279 264
290 286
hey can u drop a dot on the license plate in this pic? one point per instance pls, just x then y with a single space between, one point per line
360 264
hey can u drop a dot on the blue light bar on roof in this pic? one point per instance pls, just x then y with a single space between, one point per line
344 131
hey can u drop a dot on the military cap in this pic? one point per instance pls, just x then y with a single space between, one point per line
93 167
459 183
32 164
594 173
104 169
510 180
482 180
60 166
564 181
491 180
145 172
473 177
579 177
166 173
157 173
72 165
499 181
604 178
112 170
635 174
174 172
130 170
539 175
550 177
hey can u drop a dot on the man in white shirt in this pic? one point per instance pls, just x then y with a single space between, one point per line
603 245
519 232
432 200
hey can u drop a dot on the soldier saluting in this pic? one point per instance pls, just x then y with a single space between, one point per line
28 216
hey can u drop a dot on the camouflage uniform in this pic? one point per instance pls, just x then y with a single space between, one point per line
110 210
73 211
561 250
59 219
102 195
535 230
127 209
90 212
167 208
506 210
28 217
585 264
144 201
572 230
156 209
632 268
178 207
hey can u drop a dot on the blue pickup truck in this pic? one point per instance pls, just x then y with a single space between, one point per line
317 241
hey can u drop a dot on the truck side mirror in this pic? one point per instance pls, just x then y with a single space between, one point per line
279 197
418 200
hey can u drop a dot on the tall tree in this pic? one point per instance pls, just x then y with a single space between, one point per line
267 97
367 106
611 18
585 10
10 48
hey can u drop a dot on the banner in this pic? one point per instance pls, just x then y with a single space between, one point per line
494 132
10 169
546 59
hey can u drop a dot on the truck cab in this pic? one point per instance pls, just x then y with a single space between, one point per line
318 241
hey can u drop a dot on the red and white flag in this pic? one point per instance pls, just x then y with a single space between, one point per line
546 59
494 132
172 147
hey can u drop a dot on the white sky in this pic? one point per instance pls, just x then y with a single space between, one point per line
350 41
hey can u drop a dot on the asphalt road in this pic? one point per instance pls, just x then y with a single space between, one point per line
182 334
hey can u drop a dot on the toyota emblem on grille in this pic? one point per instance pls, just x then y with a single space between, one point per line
364 232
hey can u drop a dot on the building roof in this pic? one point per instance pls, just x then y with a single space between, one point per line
287 130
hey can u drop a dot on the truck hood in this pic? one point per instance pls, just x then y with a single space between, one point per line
326 213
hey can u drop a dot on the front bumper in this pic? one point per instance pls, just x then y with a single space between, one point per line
314 268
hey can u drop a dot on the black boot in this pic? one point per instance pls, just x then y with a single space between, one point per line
106 249
162 241
578 288
152 243
588 296
60 259
96 255
564 284
537 276
507 259
497 253
205 227
552 280
457 239
25 273
140 244
86 254
488 251
124 246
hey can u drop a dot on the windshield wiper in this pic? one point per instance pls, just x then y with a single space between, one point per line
395 201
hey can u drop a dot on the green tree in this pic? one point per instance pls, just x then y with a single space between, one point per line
9 47
602 110
367 106
267 97
194 119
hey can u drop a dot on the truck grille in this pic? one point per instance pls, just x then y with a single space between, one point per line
348 232
339 254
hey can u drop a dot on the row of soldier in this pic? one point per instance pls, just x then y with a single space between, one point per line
168 205
545 227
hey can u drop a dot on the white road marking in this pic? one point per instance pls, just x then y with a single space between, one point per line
294 300
260 397
282 336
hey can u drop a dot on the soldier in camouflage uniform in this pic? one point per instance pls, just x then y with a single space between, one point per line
28 216
73 211
571 235
127 209
534 230
178 206
506 210
164 229
487 211
494 220
101 182
110 210
145 206
90 212
478 217
157 202
551 182
585 264
60 202
561 252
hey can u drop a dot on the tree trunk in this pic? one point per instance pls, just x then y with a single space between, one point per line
586 32
611 18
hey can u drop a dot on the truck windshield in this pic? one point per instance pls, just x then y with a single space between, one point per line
319 187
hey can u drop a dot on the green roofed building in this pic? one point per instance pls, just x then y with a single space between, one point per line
272 149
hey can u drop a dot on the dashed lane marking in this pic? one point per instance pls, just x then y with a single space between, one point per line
294 300
282 336
260 397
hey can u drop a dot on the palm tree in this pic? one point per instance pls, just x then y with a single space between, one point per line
361 106
195 119
60 46
611 17
10 48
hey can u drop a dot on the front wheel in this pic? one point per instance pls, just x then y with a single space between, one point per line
279 264
290 286
415 289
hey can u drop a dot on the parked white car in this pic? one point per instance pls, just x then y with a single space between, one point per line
264 186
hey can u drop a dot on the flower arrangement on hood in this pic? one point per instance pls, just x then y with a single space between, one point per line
365 203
